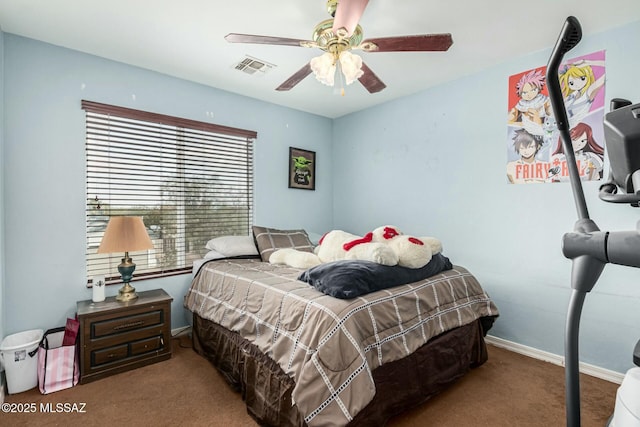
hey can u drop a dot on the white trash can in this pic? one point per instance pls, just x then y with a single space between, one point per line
19 354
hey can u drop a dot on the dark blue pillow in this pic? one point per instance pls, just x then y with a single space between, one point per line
351 278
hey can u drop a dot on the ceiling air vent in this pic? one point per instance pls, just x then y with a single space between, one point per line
252 65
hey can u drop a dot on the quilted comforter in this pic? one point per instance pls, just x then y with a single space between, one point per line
329 346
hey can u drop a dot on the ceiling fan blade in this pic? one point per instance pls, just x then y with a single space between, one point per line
418 43
296 78
370 81
348 15
250 38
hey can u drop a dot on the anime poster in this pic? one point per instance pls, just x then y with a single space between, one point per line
534 149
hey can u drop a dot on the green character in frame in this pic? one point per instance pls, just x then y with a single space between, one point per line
302 170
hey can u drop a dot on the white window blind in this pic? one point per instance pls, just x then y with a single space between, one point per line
190 181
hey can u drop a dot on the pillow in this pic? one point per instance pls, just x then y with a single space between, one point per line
270 240
230 246
213 254
351 278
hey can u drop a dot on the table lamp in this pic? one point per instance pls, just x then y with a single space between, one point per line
125 234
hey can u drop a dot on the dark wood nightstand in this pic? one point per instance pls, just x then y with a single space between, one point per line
118 336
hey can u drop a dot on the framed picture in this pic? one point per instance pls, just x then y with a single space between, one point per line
302 169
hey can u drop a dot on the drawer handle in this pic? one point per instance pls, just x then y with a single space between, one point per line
128 325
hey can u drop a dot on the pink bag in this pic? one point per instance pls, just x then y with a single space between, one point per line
58 364
71 332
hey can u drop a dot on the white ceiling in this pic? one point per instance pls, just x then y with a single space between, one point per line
185 38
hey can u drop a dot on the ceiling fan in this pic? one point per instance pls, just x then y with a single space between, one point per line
337 37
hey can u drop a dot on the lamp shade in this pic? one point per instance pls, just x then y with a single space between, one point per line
125 234
351 66
324 68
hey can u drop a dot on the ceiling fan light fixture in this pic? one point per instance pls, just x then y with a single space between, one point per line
324 67
351 66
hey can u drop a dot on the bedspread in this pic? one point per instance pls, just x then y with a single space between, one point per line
329 346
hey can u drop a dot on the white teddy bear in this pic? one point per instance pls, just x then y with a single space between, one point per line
334 246
338 244
294 258
385 245
412 252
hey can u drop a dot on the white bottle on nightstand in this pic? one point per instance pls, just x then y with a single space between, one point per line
98 288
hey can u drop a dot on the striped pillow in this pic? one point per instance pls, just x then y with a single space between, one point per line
270 240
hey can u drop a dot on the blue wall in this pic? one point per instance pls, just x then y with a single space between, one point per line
431 163
44 168
1 186
434 164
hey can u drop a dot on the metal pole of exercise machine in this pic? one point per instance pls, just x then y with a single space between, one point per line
586 268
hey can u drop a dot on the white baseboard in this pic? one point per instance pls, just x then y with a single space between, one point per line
585 368
180 330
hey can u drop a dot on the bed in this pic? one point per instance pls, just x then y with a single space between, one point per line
302 357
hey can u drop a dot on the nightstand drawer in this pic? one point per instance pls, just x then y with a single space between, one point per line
123 324
107 355
144 346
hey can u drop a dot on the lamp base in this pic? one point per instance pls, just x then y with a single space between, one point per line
126 293
126 269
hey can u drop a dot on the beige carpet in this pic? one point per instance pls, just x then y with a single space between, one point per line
509 390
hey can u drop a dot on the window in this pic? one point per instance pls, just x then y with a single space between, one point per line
190 181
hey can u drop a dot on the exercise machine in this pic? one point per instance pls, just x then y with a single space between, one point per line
586 246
